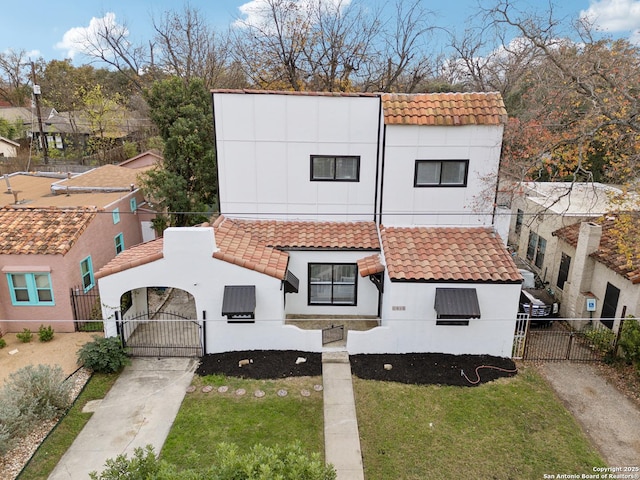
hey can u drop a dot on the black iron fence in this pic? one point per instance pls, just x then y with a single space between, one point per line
87 309
561 342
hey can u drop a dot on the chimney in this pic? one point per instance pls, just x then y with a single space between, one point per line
588 242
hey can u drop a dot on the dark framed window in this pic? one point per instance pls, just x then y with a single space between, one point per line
563 271
519 219
441 173
334 168
30 288
118 240
86 271
333 283
536 249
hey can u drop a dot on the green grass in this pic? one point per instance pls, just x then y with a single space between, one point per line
510 428
57 443
206 419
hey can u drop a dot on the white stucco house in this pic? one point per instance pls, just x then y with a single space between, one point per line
343 206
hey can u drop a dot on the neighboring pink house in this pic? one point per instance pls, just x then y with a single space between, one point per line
56 230
146 159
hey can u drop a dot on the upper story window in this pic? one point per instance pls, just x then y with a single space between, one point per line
536 249
116 215
30 288
133 203
519 220
441 173
86 271
331 168
119 243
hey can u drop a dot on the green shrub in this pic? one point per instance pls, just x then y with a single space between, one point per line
103 355
25 335
45 334
601 339
285 463
3 343
630 341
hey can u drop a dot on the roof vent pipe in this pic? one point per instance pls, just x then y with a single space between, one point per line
6 179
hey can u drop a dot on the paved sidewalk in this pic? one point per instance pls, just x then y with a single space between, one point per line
138 410
341 437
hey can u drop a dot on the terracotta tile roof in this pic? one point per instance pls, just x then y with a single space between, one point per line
301 234
242 248
235 246
447 255
133 257
44 231
444 109
370 265
609 252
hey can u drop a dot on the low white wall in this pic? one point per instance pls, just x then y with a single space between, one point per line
226 337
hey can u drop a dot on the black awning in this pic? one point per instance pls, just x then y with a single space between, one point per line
239 301
457 303
291 283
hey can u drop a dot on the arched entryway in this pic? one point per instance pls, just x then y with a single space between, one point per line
161 322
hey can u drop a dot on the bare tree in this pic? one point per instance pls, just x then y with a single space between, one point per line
270 45
404 61
189 48
15 68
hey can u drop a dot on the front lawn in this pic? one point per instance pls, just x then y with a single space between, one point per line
510 428
206 419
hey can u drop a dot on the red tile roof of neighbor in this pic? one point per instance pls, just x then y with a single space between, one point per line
609 252
299 234
444 109
447 255
44 231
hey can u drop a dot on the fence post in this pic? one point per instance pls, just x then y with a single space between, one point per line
614 348
571 335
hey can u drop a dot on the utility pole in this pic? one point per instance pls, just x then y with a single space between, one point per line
36 95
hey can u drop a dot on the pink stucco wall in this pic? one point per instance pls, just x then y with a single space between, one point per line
98 241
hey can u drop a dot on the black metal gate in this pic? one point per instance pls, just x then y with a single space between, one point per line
166 334
560 342
87 310
334 333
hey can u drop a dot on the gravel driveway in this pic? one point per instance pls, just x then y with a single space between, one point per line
610 420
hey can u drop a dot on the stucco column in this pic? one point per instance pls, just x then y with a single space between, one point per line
582 269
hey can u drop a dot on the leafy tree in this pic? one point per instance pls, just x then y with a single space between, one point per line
186 182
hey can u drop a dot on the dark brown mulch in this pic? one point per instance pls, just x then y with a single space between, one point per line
264 364
412 368
432 368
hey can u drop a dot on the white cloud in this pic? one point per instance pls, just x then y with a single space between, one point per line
614 15
256 12
85 40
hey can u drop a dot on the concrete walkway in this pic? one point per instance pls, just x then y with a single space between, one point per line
138 410
341 437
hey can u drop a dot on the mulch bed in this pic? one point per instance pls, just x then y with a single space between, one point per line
411 368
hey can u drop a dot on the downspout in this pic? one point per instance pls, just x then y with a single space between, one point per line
215 149
384 143
375 197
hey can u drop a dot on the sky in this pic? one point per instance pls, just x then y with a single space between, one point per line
45 29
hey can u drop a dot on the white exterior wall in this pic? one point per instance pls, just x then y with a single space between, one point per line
297 303
471 205
414 329
188 265
264 143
